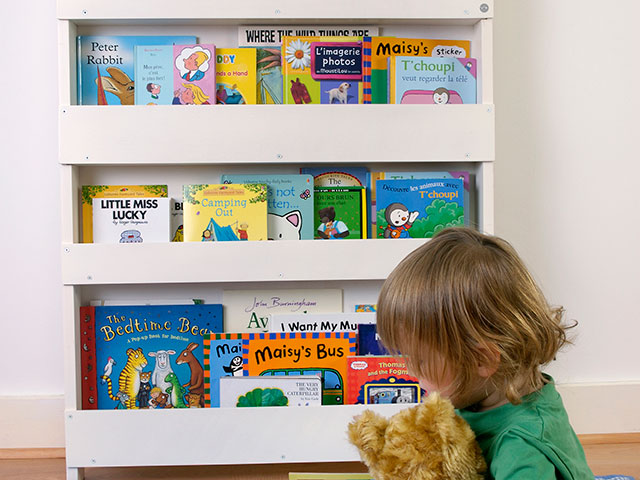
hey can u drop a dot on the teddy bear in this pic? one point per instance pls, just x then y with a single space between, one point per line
425 442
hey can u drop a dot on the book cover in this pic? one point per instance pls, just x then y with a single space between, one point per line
340 212
271 391
250 310
151 356
236 76
222 358
106 67
131 220
90 192
380 380
418 208
379 49
217 213
289 204
319 322
194 74
323 354
177 231
88 367
364 307
153 67
369 342
430 80
329 476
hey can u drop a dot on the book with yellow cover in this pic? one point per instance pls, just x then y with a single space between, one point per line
215 212
236 76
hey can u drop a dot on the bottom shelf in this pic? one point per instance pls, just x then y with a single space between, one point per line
114 438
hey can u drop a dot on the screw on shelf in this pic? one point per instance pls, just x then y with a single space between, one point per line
89 277
281 275
279 156
278 12
70 417
489 109
467 12
93 460
467 155
282 457
84 12
67 250
484 8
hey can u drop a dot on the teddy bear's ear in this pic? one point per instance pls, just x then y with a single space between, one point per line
366 432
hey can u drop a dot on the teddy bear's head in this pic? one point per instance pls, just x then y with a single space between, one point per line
425 442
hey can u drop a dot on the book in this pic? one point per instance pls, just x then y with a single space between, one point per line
369 341
364 307
130 220
380 380
132 348
177 217
153 67
418 208
319 322
379 49
222 357
217 213
106 68
340 212
323 354
289 204
194 74
250 310
438 81
236 76
271 391
329 476
89 192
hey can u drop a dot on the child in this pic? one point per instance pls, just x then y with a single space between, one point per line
474 326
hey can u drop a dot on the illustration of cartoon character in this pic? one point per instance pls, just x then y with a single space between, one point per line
154 394
441 96
229 95
154 90
196 381
191 95
284 227
207 236
119 84
235 367
107 369
144 394
130 236
179 235
399 221
330 227
193 63
175 391
242 231
129 380
162 368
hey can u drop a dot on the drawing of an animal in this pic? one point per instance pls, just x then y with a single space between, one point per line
340 93
129 380
176 391
284 227
196 382
144 393
162 368
119 84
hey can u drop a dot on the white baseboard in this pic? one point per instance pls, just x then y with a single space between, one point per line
594 408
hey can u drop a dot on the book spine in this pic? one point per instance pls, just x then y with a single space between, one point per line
366 70
88 358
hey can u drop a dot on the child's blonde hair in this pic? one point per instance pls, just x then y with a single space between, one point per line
464 294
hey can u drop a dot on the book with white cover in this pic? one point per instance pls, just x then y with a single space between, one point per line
271 391
319 322
130 220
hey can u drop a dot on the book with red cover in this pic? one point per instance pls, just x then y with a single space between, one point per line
88 358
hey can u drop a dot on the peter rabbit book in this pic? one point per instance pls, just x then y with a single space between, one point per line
194 74
289 204
379 49
225 212
106 67
150 356
380 380
429 80
131 220
418 208
319 322
222 358
319 354
91 192
271 391
250 310
340 212
369 342
236 76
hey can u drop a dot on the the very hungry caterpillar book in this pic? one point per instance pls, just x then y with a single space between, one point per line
271 391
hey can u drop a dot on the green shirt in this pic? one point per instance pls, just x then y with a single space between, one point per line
530 441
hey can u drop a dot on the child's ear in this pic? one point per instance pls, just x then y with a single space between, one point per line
488 360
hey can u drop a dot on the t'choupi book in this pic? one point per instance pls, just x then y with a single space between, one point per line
340 212
380 380
236 76
418 208
225 212
131 220
289 204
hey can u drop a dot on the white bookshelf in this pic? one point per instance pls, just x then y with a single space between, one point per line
106 145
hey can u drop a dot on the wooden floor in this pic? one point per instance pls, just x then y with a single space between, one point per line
604 459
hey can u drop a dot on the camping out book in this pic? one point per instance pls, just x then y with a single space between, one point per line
380 380
431 80
418 208
319 322
236 76
106 73
91 192
289 204
271 391
250 310
131 220
222 358
148 356
340 212
319 354
379 49
225 212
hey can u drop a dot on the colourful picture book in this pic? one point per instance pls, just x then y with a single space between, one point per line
329 476
91 192
365 307
131 220
430 80
340 212
418 208
369 342
153 68
319 354
380 380
236 76
271 391
379 49
217 213
319 322
177 217
106 67
250 310
222 358
146 356
289 204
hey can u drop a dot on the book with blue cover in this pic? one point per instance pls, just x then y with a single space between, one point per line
222 358
369 342
289 204
418 208
153 67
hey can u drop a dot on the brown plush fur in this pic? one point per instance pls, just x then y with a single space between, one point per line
425 442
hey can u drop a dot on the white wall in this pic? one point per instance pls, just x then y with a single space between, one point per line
566 173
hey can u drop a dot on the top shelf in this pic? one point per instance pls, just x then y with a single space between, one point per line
274 11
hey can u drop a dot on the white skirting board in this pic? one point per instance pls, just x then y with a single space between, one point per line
594 408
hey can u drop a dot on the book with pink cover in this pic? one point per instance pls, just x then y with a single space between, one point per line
194 74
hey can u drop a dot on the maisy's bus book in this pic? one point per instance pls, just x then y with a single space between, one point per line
379 380
319 354
225 212
418 208
289 204
236 76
